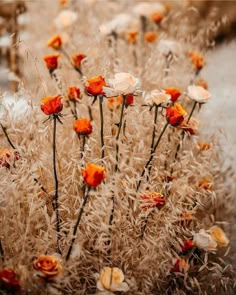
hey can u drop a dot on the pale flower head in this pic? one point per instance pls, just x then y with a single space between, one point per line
65 19
123 83
219 236
156 97
204 240
198 93
111 279
166 47
147 9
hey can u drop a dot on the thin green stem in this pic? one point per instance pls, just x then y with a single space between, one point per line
85 199
151 157
56 196
102 127
4 129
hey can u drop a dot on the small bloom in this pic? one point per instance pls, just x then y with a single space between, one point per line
180 265
175 114
204 240
114 103
156 97
123 83
51 61
203 146
191 127
8 280
188 245
112 279
47 267
132 37
206 183
197 59
73 93
51 105
150 37
93 175
65 19
156 17
83 126
55 42
8 157
76 59
173 92
94 86
219 236
152 200
198 94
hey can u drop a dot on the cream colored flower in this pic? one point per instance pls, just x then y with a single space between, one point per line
65 19
147 9
156 96
205 241
112 279
219 236
123 83
198 93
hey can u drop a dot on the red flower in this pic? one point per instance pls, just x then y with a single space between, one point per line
76 59
51 105
152 200
156 17
51 61
55 42
93 175
8 280
175 114
8 156
173 92
181 265
83 126
129 99
74 93
188 245
95 85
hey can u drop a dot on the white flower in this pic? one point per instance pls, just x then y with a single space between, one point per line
198 93
219 236
65 19
123 83
169 46
204 240
147 9
111 279
119 24
156 96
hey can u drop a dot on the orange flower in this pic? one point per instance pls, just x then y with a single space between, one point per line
132 37
7 157
206 184
204 146
73 93
76 59
51 61
153 200
173 92
202 83
191 127
8 280
150 36
83 126
63 2
48 267
197 59
93 175
156 17
55 42
94 86
51 105
175 114
114 103
181 265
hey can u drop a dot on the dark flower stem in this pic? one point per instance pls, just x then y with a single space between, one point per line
154 127
102 127
151 156
56 196
83 139
4 129
145 223
85 199
1 251
182 133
